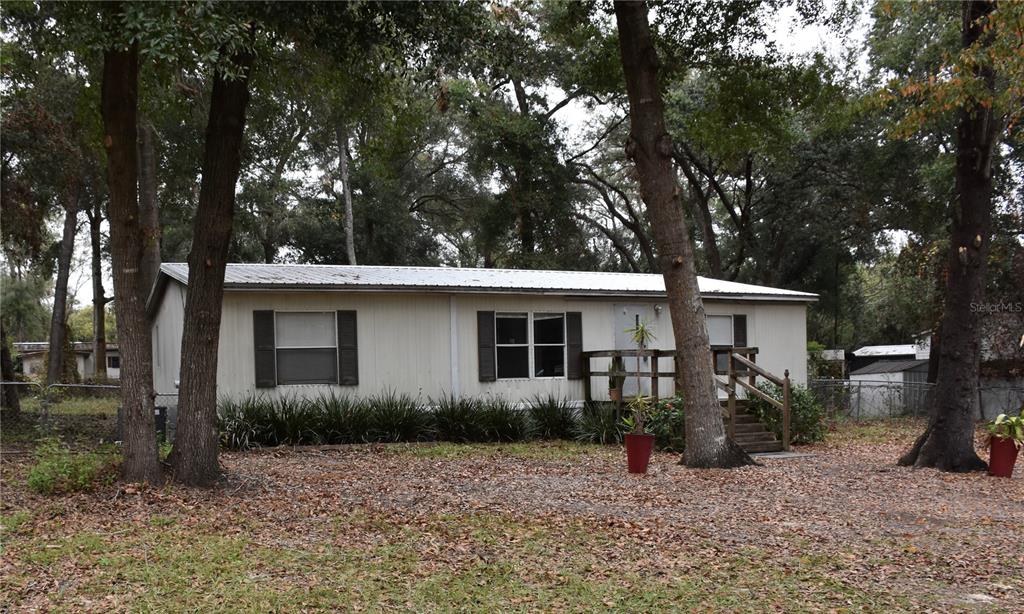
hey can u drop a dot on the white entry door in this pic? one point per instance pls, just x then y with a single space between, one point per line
627 317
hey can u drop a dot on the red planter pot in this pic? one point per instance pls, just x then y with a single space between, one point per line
1002 458
638 451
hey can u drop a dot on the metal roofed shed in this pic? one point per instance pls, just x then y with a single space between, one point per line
895 366
307 330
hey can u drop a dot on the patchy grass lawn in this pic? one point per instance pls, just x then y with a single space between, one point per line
526 527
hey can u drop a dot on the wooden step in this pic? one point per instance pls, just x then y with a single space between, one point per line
773 446
758 438
749 427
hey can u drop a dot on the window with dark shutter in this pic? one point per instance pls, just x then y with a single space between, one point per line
348 349
574 345
485 346
263 338
739 331
307 352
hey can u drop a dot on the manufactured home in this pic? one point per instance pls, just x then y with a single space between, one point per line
30 359
304 330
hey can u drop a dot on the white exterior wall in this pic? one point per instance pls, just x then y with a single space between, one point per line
167 327
406 341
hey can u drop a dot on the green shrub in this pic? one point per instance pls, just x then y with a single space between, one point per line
297 422
552 417
344 419
459 420
58 470
503 421
807 416
667 422
245 423
599 423
397 417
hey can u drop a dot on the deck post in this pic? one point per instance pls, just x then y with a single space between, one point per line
654 375
677 378
786 399
588 393
732 398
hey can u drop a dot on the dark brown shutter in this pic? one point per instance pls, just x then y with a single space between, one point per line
348 349
574 344
263 341
485 345
739 331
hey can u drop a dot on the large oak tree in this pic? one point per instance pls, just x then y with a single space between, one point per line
650 148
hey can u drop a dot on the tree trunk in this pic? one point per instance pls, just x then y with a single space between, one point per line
99 299
650 148
119 103
58 320
948 442
194 457
9 398
149 208
350 239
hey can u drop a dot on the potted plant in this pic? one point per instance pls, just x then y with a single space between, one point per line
615 381
1005 436
639 444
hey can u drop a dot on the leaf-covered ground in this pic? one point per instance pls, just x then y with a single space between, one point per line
526 527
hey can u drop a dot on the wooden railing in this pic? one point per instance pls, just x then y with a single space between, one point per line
742 372
746 378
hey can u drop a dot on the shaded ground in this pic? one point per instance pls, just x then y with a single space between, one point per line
527 527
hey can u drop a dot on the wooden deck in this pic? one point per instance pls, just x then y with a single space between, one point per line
740 385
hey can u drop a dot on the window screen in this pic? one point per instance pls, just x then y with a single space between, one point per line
720 336
720 330
512 344
548 345
307 347
113 362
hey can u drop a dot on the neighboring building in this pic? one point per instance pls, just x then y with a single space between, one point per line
889 388
869 354
307 329
30 359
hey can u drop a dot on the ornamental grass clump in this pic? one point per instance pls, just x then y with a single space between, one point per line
599 423
398 417
344 419
459 420
502 421
552 417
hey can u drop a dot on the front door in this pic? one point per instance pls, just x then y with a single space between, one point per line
627 317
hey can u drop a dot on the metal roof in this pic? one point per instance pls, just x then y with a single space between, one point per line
889 366
906 349
451 279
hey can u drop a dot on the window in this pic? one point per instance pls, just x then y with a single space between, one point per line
548 345
113 362
519 355
307 347
512 343
720 335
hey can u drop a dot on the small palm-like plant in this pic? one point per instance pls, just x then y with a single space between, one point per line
642 335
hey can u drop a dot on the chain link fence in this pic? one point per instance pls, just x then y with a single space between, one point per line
91 410
866 399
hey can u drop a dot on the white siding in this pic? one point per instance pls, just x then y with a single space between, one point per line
168 325
407 340
403 341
